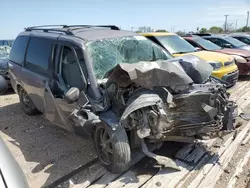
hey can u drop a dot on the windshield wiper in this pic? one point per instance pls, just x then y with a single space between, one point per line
156 59
180 52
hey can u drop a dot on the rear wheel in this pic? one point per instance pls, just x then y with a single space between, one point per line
112 147
26 103
3 85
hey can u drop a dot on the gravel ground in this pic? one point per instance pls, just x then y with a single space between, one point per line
45 152
244 176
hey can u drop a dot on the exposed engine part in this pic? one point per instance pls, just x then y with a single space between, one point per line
162 160
210 110
185 139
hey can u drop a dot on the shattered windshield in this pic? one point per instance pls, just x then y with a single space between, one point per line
107 53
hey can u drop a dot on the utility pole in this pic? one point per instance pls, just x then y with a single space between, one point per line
226 22
247 18
236 24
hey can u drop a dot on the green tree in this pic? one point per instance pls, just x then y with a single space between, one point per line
180 33
244 29
161 30
215 30
229 27
203 30
145 29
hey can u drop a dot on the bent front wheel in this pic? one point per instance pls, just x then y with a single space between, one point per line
112 147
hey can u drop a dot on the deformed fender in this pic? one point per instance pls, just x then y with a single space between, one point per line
110 119
139 100
144 99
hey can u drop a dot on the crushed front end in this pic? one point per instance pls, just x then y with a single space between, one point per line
174 101
203 109
199 110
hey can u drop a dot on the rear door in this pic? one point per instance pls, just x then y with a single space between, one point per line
68 73
16 60
36 71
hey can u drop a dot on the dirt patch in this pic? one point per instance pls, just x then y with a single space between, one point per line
44 151
244 177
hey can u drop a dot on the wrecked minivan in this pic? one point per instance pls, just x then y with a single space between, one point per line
119 88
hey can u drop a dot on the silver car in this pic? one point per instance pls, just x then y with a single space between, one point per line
11 175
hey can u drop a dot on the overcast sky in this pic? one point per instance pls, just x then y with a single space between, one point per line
159 14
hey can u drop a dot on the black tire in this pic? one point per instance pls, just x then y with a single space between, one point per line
3 85
26 103
117 142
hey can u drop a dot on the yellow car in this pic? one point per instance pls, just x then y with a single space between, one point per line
224 65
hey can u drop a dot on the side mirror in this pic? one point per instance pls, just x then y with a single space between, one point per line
72 95
227 45
198 49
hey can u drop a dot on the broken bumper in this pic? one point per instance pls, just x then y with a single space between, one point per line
231 78
244 68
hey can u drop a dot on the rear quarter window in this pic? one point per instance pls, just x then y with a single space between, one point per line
18 49
39 55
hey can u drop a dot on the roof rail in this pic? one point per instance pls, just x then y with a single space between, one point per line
113 27
41 26
46 28
70 28
50 30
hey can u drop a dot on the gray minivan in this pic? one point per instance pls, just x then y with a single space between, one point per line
118 87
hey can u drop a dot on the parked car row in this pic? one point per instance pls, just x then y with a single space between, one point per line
223 65
4 76
6 43
124 89
241 57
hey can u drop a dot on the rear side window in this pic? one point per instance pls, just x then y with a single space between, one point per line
18 49
38 55
215 41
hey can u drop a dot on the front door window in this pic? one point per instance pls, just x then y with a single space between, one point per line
70 70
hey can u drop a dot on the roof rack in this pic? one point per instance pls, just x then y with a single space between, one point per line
113 27
69 28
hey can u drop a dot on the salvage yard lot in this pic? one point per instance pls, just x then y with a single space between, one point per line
49 156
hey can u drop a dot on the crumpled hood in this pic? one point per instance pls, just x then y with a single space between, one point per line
245 47
3 64
234 51
179 71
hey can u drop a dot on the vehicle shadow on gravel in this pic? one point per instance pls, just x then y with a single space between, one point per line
44 152
10 91
244 78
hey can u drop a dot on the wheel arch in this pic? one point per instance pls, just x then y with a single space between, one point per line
18 88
